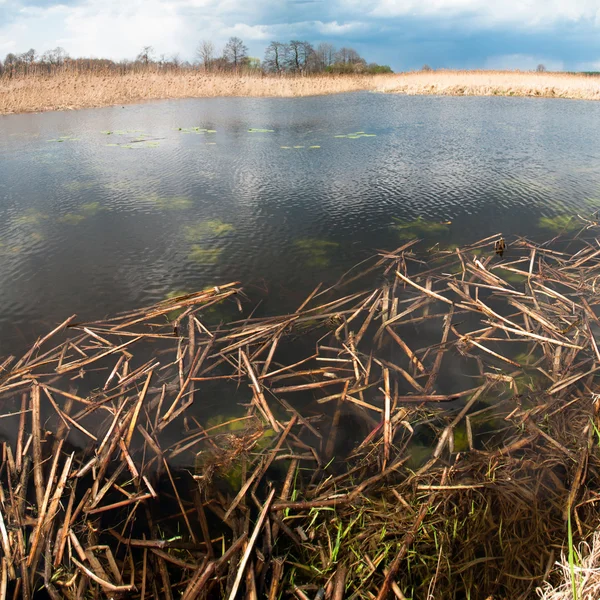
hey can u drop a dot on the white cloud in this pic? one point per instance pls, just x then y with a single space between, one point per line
120 28
525 13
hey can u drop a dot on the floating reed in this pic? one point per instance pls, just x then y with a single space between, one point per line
428 436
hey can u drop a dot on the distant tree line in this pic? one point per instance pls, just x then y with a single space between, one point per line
295 57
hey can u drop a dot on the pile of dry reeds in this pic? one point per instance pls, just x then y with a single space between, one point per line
426 435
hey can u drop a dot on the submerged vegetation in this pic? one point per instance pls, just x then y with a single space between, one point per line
202 229
420 228
170 202
345 456
204 256
316 252
559 224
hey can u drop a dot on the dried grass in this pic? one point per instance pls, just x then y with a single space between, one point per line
73 90
496 83
587 575
67 91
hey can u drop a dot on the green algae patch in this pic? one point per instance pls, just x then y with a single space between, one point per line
411 230
30 217
72 218
170 202
79 186
559 224
316 252
204 256
89 209
204 229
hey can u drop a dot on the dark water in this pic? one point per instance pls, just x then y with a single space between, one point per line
91 226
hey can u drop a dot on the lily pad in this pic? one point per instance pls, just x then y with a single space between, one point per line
356 135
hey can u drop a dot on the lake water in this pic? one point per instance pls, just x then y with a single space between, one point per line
109 209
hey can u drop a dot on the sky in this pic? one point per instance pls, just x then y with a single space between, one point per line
405 34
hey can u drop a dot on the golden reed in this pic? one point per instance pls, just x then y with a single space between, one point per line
72 90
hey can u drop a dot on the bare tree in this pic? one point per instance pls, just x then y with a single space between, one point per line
299 56
29 56
235 51
55 57
276 56
541 68
206 54
426 67
146 56
325 55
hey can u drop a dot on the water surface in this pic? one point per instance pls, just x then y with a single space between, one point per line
108 209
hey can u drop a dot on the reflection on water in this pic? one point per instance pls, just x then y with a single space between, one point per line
107 209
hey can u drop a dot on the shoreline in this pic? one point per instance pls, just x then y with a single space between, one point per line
74 91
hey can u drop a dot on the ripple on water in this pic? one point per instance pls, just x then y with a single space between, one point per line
96 229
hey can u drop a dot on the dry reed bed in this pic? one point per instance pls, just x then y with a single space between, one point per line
67 91
496 83
115 485
71 91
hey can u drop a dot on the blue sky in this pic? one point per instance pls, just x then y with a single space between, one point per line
511 34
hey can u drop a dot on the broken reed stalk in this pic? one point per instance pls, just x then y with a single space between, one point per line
117 481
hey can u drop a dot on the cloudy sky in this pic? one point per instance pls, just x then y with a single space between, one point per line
512 34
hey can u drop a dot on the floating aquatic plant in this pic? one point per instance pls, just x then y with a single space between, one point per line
410 230
203 229
196 130
356 135
559 223
206 256
317 252
64 138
